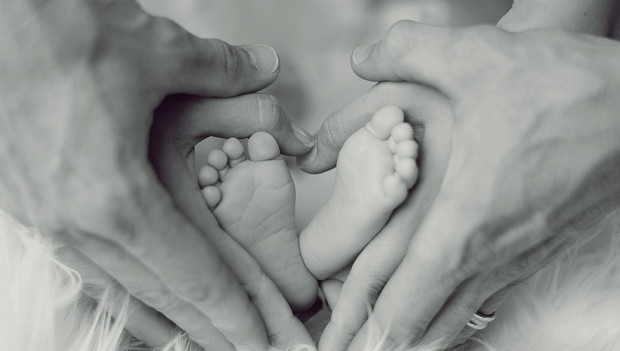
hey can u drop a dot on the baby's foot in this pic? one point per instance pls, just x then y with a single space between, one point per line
376 168
254 201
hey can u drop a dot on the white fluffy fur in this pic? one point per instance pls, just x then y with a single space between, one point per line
571 305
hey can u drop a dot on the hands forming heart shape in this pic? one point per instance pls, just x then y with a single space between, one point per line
519 151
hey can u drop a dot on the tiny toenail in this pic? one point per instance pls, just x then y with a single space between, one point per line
308 158
302 135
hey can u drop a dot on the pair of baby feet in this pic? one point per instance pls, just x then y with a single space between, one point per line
254 201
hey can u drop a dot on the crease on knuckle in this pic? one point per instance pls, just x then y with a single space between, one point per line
226 59
268 112
370 286
398 40
173 40
161 298
344 327
256 285
199 294
332 134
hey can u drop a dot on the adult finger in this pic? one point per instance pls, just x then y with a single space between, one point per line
144 323
209 67
435 56
144 235
172 60
196 118
398 314
421 105
446 279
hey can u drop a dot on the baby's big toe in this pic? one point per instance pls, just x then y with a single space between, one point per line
384 120
263 147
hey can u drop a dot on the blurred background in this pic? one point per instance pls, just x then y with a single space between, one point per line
314 39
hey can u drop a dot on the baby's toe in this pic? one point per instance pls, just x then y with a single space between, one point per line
384 120
218 160
407 169
407 149
234 150
207 176
395 188
402 132
212 195
263 147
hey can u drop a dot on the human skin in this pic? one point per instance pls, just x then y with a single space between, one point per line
86 160
422 306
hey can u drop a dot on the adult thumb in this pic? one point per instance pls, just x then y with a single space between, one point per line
438 57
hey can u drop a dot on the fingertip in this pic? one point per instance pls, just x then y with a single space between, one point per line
218 69
263 57
334 132
361 54
410 52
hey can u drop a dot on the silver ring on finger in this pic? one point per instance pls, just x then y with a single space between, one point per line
480 320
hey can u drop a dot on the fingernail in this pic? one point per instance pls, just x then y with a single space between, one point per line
263 57
302 135
361 54
308 158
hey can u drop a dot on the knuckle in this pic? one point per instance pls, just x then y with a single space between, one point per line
172 41
198 294
398 39
255 282
161 299
269 109
226 58
343 328
499 51
400 29
332 133
369 284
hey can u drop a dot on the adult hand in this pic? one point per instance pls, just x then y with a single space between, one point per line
533 165
80 82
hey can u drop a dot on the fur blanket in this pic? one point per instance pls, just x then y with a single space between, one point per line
573 304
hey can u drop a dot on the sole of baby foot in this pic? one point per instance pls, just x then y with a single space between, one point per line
254 201
375 170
